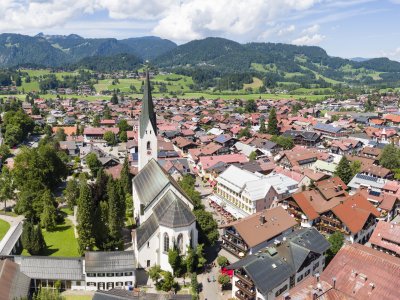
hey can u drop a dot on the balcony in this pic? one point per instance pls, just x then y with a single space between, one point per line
244 278
235 242
249 291
242 296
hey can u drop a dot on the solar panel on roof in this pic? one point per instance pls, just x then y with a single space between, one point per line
366 177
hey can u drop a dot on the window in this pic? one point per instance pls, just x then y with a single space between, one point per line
300 278
166 242
128 283
91 284
119 284
148 244
148 263
119 274
180 243
91 275
307 272
78 283
148 145
110 274
128 273
101 274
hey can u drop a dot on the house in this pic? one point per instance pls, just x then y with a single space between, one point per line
386 238
330 130
276 269
356 272
248 235
301 157
97 270
244 193
14 284
361 180
70 147
304 138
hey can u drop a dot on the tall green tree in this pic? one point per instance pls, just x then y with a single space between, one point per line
71 193
38 243
343 170
126 177
93 163
175 260
390 157
116 212
272 123
60 135
208 227
355 167
85 216
110 138
48 216
6 186
155 273
251 106
114 99
27 234
262 129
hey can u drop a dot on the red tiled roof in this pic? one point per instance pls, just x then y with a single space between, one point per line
386 235
364 273
354 212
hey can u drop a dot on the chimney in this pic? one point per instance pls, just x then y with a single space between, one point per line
334 282
262 219
314 295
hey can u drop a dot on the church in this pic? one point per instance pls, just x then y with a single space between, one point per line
162 210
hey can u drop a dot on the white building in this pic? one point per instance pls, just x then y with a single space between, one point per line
162 211
243 193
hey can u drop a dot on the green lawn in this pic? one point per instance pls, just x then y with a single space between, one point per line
77 297
60 242
4 226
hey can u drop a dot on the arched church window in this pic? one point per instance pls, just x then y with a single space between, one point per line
180 243
166 242
148 145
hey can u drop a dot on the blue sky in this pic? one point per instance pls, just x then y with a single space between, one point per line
346 28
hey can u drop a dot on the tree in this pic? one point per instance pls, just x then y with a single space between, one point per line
262 129
222 261
286 142
190 260
201 260
273 123
251 106
27 234
187 183
124 126
194 284
71 193
208 227
114 99
60 135
175 260
167 283
390 157
355 167
116 213
224 279
48 216
126 177
93 163
18 81
38 244
343 170
336 240
244 132
6 186
4 152
155 273
110 138
123 136
253 155
85 216
47 294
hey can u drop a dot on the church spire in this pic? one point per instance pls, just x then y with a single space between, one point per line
147 114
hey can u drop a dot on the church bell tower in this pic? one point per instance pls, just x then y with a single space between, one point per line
147 127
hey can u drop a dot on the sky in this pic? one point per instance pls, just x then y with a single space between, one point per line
345 28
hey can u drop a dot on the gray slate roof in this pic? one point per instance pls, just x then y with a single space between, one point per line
147 114
173 212
150 182
111 261
170 212
38 267
268 270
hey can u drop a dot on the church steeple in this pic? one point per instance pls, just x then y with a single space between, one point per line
147 115
147 127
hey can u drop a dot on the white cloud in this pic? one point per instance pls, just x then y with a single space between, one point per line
286 30
312 29
394 54
309 40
